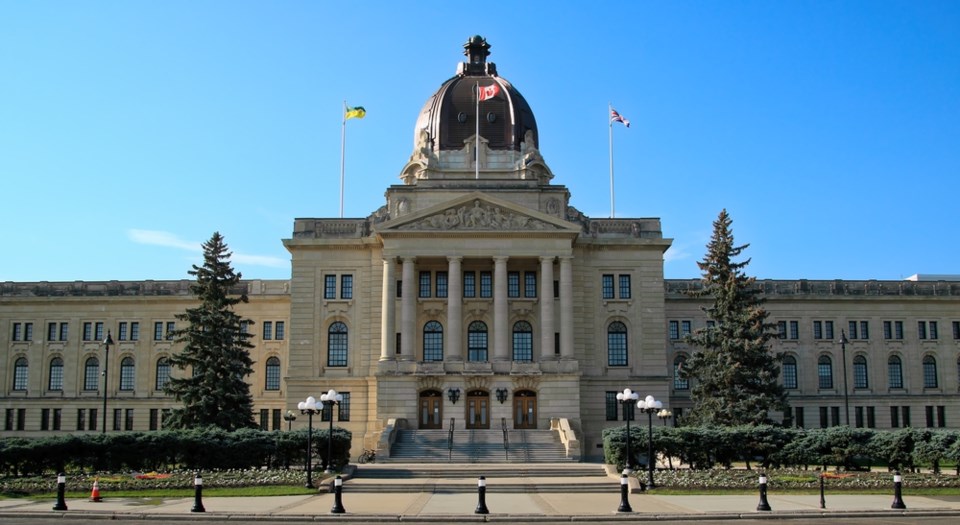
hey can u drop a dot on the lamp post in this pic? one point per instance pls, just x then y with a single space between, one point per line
626 398
664 415
650 406
289 417
843 354
329 399
309 407
106 363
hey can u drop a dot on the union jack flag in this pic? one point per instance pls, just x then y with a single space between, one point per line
615 117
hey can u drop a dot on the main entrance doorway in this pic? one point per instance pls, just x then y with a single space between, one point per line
478 409
431 409
525 409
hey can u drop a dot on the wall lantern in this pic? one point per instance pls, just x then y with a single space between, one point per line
501 395
453 395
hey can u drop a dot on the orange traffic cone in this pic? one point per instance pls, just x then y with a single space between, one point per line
95 495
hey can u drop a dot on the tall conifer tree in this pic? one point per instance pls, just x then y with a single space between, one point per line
734 372
215 359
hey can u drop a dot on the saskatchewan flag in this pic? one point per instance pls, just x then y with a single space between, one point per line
357 112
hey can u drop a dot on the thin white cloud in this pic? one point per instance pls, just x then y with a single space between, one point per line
675 253
170 240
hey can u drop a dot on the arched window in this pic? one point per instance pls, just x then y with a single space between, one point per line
127 379
163 373
56 374
894 372
20 374
477 341
617 344
680 382
825 372
522 342
860 372
273 374
337 344
929 372
91 374
433 341
789 372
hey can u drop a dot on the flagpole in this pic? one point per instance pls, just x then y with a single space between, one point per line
343 138
609 113
477 113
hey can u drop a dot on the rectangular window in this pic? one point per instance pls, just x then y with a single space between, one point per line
329 286
424 284
128 419
798 417
117 418
956 329
556 289
346 286
92 425
887 330
684 328
154 419
611 405
894 417
88 331
64 331
905 416
57 416
28 331
794 330
674 330
399 288
51 331
606 282
852 329
343 407
933 330
864 329
835 416
122 331
171 328
824 422
556 343
782 329
98 330
134 331
44 419
276 419
928 412
21 418
469 284
264 419
397 351
898 329
871 418
828 330
442 285
941 416
818 330
486 285
711 323
921 329
279 331
513 284
625 288
529 284
158 331
267 330
858 416
81 419
17 329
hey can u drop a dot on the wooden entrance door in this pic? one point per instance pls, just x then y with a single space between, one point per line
431 409
525 409
478 409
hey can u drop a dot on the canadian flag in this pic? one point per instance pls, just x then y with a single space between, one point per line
487 92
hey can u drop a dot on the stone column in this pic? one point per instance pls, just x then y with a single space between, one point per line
566 307
546 308
408 313
388 314
454 351
501 332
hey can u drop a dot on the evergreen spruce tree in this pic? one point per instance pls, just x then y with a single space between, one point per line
215 359
734 372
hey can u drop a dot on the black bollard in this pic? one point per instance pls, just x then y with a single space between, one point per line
624 490
763 493
823 502
61 488
198 494
897 494
482 493
337 498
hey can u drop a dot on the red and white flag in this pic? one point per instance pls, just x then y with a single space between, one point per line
487 92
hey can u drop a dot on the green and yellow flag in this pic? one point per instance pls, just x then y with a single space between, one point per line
356 112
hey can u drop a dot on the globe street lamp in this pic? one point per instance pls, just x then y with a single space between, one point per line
843 354
626 398
650 406
329 399
289 417
106 363
664 415
309 407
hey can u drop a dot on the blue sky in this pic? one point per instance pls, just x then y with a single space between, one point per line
130 131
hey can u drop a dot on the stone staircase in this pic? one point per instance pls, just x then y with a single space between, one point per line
500 478
477 446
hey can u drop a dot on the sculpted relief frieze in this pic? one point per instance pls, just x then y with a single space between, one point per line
478 216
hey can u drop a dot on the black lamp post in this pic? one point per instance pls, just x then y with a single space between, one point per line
843 354
650 406
330 399
309 407
664 415
289 417
627 398
106 363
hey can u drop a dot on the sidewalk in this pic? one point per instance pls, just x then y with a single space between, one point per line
461 506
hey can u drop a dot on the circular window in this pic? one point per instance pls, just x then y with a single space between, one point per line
462 117
491 117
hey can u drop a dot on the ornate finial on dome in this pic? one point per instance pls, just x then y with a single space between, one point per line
477 50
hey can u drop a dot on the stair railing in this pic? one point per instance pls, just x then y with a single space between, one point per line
450 439
506 439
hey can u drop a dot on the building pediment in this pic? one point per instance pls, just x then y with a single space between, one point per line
477 212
